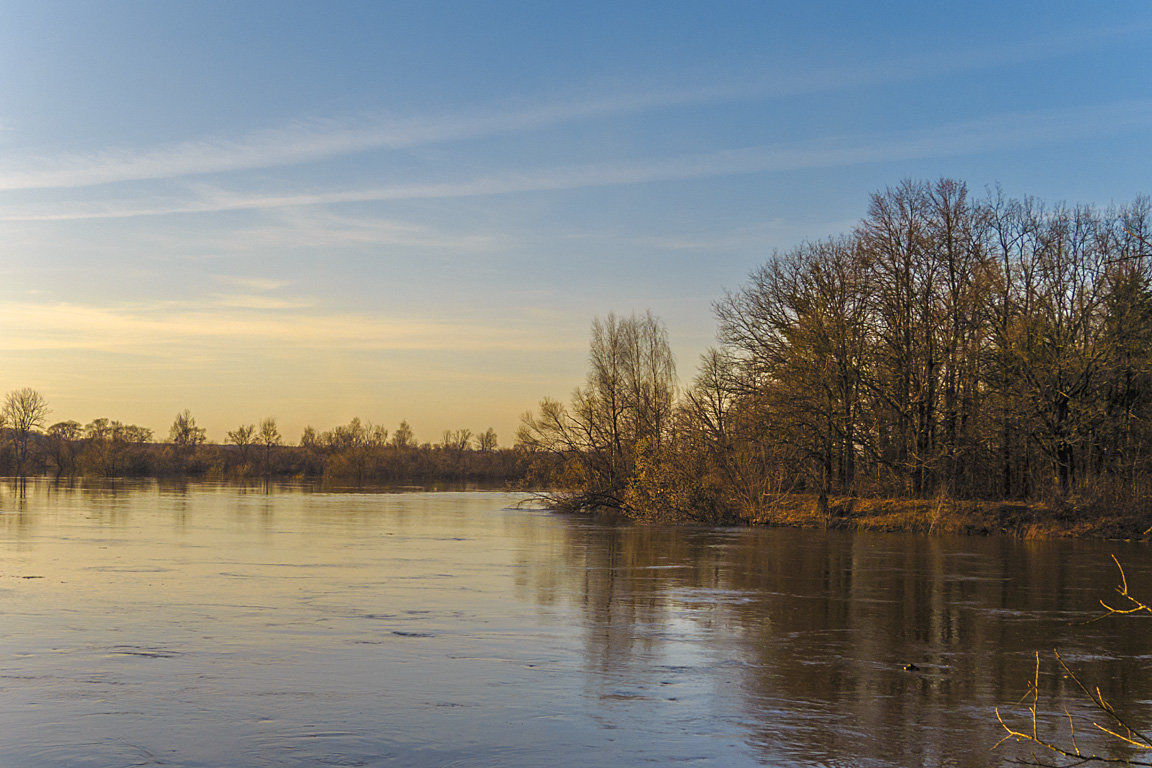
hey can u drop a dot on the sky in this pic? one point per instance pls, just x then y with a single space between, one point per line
414 210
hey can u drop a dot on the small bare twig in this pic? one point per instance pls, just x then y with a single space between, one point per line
1132 606
1119 728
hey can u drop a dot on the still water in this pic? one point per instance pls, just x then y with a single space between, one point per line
219 626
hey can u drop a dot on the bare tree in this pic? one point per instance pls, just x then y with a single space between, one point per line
244 437
309 438
269 439
62 439
626 402
25 412
184 433
457 439
486 441
403 436
112 448
185 436
798 340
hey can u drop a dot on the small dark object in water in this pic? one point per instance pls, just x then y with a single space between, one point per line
911 667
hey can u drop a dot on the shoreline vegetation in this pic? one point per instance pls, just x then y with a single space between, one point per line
355 454
1028 520
950 366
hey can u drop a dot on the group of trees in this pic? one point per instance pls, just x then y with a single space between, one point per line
358 452
594 448
991 348
363 452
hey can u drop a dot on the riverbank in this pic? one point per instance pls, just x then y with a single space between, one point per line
1018 519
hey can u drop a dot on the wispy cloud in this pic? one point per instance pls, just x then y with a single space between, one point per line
313 140
258 301
257 293
253 283
317 139
165 329
321 228
996 133
300 142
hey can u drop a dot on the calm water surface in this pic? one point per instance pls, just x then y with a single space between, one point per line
216 626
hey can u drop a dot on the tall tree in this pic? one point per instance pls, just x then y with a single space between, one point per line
486 441
626 403
185 436
904 382
956 238
403 437
799 332
269 438
25 413
184 433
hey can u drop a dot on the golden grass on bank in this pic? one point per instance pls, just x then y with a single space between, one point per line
1070 518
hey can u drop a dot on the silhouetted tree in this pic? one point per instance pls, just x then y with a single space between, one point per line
184 433
486 441
185 436
403 436
62 445
243 437
457 439
269 438
24 413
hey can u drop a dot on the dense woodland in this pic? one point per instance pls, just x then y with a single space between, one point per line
948 347
358 453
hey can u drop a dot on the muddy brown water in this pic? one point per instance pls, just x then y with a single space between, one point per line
146 624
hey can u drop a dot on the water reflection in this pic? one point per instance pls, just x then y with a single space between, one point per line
148 623
816 631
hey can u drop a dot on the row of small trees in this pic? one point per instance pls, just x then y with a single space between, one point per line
990 348
357 452
361 452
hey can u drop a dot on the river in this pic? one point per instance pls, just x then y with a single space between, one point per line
200 625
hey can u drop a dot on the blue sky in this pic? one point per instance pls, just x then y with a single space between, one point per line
414 210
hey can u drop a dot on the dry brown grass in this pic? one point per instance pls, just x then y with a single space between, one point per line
1071 518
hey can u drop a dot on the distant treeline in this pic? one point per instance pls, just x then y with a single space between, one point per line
356 453
948 347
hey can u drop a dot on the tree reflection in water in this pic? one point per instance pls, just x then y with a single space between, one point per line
798 641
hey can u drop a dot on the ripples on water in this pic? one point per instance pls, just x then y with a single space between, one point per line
220 626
